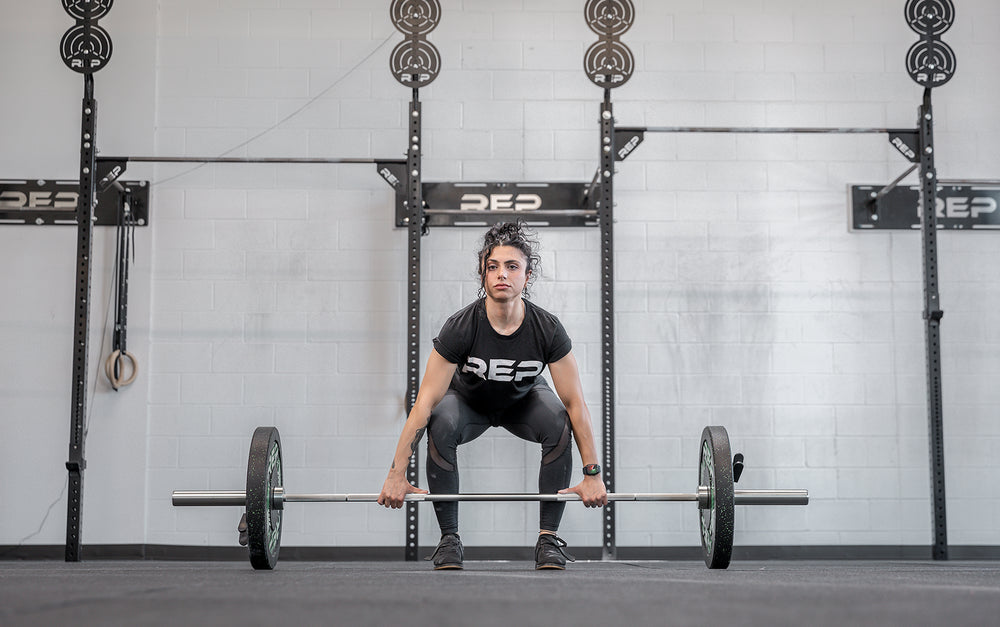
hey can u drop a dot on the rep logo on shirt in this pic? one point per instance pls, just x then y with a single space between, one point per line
503 369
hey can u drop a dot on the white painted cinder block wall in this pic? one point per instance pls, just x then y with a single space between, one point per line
275 295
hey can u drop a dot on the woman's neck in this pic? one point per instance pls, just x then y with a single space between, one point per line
505 316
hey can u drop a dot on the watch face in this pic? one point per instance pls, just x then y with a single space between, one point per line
591 469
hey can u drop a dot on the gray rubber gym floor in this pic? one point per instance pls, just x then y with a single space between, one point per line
500 593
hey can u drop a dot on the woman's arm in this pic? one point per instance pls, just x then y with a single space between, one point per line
566 379
437 377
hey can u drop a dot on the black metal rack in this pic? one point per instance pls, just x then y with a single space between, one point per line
415 63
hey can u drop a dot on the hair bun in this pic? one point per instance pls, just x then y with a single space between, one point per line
505 232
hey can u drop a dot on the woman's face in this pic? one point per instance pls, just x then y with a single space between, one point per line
505 273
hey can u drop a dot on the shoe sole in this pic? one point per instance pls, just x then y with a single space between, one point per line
549 567
449 567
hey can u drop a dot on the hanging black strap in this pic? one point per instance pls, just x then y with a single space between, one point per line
124 256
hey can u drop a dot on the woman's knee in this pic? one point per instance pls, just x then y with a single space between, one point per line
444 423
551 420
442 439
556 444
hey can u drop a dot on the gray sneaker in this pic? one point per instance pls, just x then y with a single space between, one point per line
449 553
242 528
549 553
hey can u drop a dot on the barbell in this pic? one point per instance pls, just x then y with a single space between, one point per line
265 497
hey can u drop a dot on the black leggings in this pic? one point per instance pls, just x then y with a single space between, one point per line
538 417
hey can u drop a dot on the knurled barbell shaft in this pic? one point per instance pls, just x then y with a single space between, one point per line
741 497
371 498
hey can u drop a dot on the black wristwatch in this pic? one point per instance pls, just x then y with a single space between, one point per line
591 469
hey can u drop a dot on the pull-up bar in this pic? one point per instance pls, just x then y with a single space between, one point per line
761 129
361 160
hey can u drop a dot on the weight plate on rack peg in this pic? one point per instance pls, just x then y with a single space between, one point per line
929 17
263 513
609 17
415 17
86 54
87 9
930 65
608 63
715 472
415 62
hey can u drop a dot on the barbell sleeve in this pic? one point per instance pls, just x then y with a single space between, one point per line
210 497
771 497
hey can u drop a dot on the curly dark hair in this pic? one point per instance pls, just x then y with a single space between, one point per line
518 235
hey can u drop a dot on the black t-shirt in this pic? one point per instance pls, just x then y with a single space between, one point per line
495 371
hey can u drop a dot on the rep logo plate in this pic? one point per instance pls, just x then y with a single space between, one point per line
957 207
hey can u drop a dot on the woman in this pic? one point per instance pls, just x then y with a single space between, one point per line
485 371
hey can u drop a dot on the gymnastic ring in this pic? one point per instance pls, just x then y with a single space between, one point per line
115 359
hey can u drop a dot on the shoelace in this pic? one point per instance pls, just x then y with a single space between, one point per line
554 540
